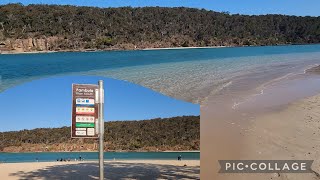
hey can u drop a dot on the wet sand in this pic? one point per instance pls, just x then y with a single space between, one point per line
315 70
288 133
129 169
269 128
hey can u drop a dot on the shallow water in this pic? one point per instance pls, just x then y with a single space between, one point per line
189 74
53 156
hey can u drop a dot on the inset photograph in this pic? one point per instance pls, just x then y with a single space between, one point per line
50 130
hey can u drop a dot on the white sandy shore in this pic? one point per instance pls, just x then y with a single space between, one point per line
194 47
98 50
128 169
292 133
289 133
28 52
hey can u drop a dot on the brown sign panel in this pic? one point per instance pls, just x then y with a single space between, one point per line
84 111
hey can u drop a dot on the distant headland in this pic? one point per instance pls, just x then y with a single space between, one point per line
167 134
51 28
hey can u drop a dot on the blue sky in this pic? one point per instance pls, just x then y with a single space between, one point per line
290 7
47 103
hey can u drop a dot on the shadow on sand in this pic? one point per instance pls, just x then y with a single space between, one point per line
113 170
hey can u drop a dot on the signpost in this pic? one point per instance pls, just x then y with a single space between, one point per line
101 125
87 115
84 111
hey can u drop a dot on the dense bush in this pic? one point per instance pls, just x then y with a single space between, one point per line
120 135
91 27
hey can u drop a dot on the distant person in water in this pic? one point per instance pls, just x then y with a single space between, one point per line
179 158
80 158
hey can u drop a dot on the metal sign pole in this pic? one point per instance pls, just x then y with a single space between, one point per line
101 127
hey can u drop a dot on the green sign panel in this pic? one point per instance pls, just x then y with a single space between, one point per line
85 125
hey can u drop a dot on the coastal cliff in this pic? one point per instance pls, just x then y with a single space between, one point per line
28 45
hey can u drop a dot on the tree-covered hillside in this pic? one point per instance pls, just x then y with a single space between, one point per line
56 27
176 133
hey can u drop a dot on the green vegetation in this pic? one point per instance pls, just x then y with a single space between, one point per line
76 28
176 133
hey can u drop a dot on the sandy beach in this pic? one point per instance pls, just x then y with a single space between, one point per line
292 133
25 52
288 133
128 169
192 47
19 51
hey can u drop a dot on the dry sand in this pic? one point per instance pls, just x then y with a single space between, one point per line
129 169
25 52
292 132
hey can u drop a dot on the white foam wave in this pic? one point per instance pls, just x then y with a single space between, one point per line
310 67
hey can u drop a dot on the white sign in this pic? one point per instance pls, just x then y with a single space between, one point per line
81 133
90 131
85 119
83 101
84 110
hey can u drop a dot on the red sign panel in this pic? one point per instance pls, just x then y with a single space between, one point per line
84 111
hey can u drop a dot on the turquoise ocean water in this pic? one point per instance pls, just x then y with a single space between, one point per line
53 156
187 74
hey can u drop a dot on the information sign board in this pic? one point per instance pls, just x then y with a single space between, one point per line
84 111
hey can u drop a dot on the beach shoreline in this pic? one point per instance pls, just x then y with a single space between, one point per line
26 52
127 169
107 50
270 128
12 52
196 151
286 133
291 133
194 47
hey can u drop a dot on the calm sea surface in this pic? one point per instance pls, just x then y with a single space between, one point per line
189 74
53 156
